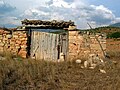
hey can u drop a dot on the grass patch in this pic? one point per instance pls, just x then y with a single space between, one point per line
114 35
113 54
28 74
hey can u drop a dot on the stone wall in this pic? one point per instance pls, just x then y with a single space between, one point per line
14 42
82 44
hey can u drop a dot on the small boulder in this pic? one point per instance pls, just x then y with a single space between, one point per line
86 64
2 58
102 71
78 61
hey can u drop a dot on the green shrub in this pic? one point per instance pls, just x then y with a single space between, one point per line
114 35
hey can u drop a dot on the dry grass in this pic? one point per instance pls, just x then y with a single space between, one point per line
27 74
114 54
30 74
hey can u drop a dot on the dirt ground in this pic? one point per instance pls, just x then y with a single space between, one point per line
113 45
113 48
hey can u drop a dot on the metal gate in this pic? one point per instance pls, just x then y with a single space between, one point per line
48 46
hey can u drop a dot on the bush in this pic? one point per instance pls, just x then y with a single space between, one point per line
114 35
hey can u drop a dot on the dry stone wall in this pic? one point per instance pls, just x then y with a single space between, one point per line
14 42
82 44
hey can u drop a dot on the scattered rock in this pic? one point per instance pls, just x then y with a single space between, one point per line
91 67
62 57
78 61
93 61
102 71
85 64
2 58
115 62
82 66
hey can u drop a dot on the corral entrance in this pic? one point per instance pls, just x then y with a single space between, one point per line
47 44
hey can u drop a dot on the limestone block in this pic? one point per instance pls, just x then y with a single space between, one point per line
6 32
80 37
87 51
22 53
24 56
73 45
1 44
20 36
12 40
73 37
1 36
9 50
23 46
72 41
9 36
79 42
12 47
17 47
1 49
24 42
93 40
100 37
15 36
97 34
73 33
18 42
5 39
17 32
6 46
92 37
23 39
12 43
23 36
73 51
24 32
14 51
